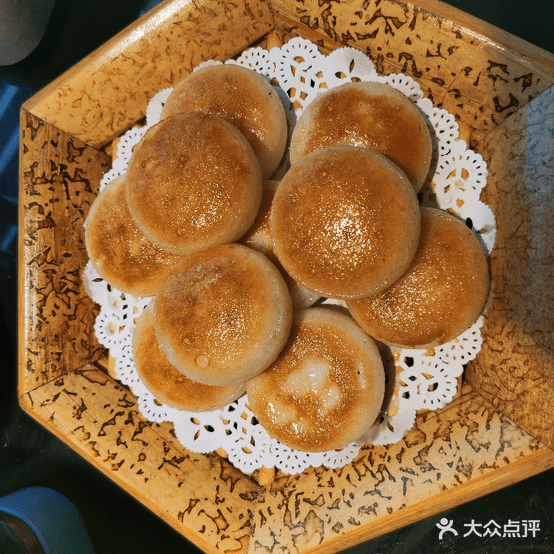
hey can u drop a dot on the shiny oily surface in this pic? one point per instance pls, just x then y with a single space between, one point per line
439 297
326 388
260 238
223 314
345 222
165 382
242 97
193 181
372 115
119 251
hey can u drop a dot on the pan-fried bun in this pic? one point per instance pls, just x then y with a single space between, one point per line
242 97
193 181
326 388
223 315
369 114
165 382
259 238
345 222
121 254
439 297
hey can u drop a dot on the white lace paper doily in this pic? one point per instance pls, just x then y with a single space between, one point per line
416 379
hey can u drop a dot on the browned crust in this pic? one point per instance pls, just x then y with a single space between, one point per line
440 295
345 222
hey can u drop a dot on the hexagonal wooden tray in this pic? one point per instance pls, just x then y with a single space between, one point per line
497 431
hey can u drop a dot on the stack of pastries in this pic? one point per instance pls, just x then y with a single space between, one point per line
235 262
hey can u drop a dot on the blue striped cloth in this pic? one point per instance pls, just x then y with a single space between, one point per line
11 98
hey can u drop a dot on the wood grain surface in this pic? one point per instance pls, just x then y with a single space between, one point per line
447 458
481 81
203 496
499 90
106 93
515 368
451 456
59 180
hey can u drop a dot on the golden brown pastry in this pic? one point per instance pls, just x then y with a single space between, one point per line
119 251
326 388
223 315
259 238
369 114
439 297
242 97
345 222
193 181
165 382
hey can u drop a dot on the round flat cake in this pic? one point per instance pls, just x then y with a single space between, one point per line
223 315
242 97
193 181
119 251
369 114
259 238
345 222
165 382
441 294
326 388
